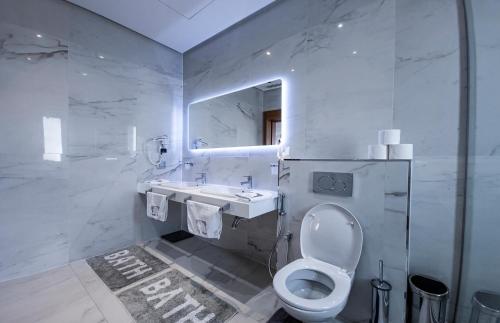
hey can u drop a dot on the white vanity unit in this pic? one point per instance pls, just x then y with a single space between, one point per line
244 203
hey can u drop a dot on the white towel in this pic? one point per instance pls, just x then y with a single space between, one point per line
204 220
248 196
157 206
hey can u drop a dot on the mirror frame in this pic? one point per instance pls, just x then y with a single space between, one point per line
284 121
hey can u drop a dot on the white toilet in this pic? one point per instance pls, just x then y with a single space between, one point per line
316 287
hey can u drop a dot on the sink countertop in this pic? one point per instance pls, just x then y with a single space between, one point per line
216 195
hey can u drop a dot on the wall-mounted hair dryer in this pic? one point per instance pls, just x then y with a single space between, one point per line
160 147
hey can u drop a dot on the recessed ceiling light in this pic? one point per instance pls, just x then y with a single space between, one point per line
28 58
292 70
268 53
354 52
84 74
39 36
340 25
101 57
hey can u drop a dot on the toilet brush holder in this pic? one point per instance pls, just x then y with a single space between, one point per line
380 297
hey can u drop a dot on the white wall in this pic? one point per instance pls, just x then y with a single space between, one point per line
334 101
428 110
405 73
481 239
84 204
390 64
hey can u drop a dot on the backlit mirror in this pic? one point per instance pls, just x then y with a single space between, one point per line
248 117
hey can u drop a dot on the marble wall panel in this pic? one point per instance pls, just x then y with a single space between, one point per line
68 188
427 107
480 259
336 60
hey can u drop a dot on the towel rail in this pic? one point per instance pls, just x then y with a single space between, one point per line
223 208
168 196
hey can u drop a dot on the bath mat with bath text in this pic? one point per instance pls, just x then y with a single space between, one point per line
126 266
174 297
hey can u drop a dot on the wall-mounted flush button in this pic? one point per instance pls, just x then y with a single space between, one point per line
339 184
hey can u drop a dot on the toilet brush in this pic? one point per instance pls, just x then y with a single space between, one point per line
380 297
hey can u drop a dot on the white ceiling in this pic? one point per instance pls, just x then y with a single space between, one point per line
178 24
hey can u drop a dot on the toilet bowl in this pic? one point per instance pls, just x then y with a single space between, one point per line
315 288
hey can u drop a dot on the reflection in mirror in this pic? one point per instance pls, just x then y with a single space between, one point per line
248 117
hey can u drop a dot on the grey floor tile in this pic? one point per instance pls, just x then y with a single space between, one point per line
218 278
211 253
169 251
191 245
234 275
259 277
235 264
265 303
232 286
194 265
240 290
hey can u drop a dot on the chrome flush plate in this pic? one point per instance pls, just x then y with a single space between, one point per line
339 184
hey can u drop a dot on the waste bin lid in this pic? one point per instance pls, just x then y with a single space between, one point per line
428 287
487 302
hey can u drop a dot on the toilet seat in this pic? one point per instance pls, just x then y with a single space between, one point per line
317 286
337 297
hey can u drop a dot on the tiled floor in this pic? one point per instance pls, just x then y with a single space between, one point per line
208 259
53 296
74 293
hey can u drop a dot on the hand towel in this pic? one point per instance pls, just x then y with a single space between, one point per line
204 220
157 206
249 196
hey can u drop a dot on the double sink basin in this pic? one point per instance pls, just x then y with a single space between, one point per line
245 203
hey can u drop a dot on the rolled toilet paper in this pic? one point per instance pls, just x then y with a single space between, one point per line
377 152
389 136
401 151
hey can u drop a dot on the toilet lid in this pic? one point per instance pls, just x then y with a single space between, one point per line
330 233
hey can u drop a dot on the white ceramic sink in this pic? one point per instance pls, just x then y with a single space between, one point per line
181 185
242 202
224 191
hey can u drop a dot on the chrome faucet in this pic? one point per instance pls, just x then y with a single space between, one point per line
248 182
202 178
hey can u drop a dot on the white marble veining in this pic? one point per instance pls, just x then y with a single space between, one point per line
339 83
32 190
344 62
361 53
428 110
82 71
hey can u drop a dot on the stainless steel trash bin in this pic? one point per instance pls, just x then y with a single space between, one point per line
485 307
429 297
